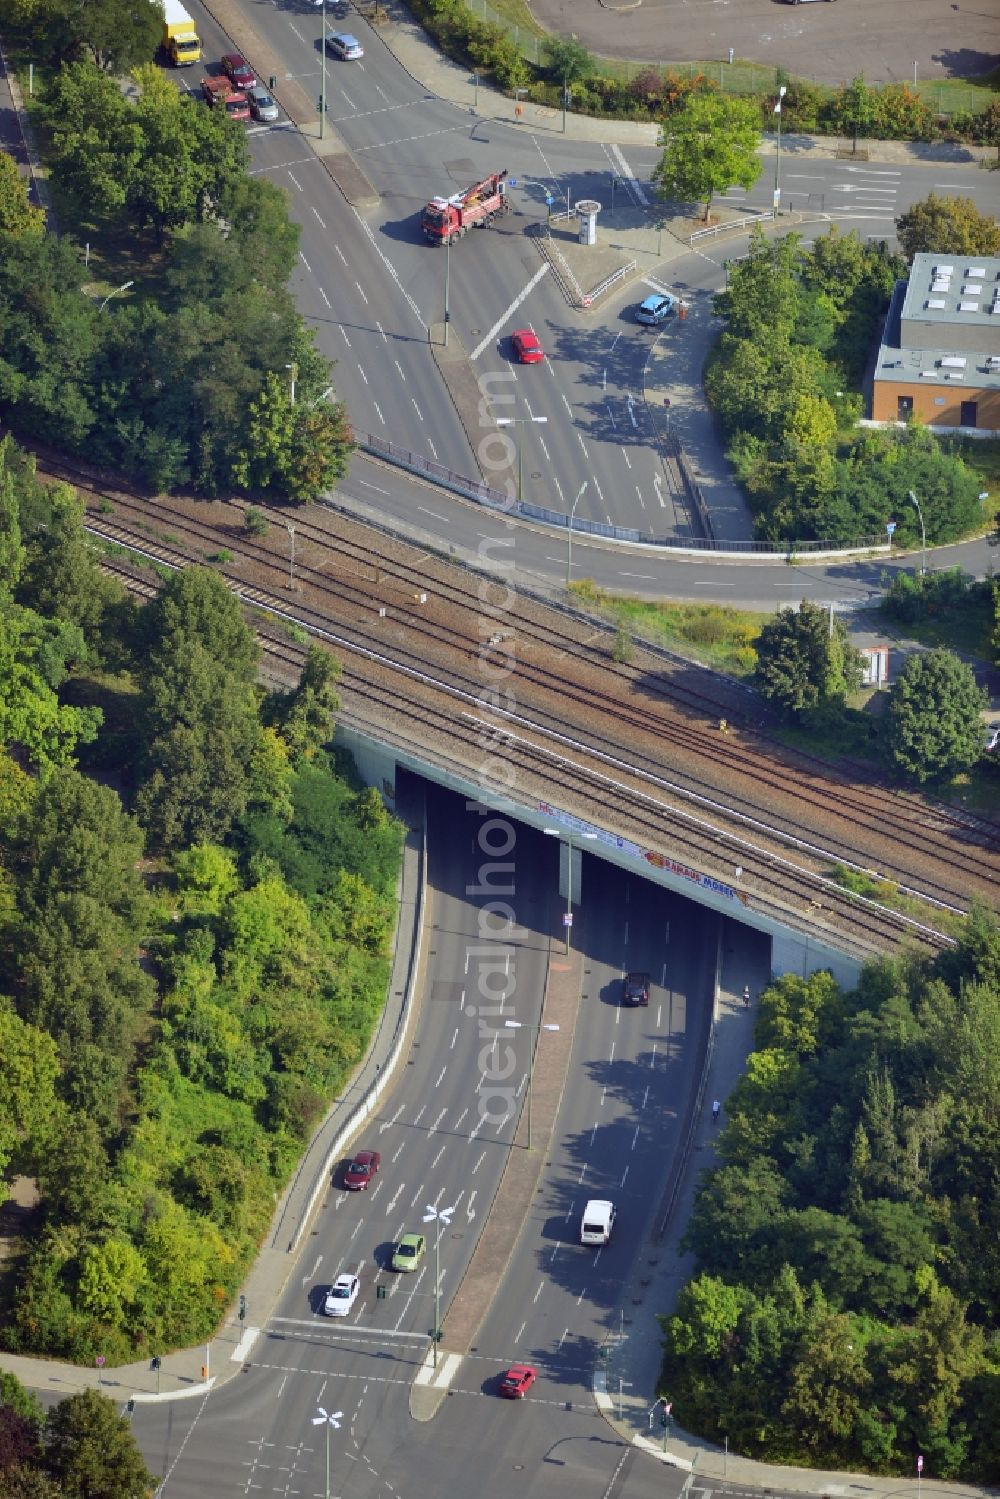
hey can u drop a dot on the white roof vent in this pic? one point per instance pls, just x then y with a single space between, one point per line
954 362
934 303
972 291
953 375
979 271
943 270
969 307
941 283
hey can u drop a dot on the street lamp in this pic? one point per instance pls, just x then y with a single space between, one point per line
513 421
520 1025
328 1419
777 155
566 97
557 833
923 534
322 77
569 531
447 286
116 293
291 553
435 1215
292 379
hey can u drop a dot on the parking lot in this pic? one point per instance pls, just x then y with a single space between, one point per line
830 41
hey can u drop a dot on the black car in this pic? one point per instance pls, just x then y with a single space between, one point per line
636 990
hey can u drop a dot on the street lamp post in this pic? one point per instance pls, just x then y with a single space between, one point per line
923 534
447 288
520 1025
569 531
293 376
328 1419
322 76
777 155
514 421
291 554
565 101
436 1215
116 293
557 833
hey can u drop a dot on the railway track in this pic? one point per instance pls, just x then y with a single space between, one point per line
376 690
955 855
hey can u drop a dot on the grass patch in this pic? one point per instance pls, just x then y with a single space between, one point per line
887 893
719 637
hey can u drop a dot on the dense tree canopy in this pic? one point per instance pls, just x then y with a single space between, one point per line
155 382
170 1029
805 661
799 326
947 226
935 719
18 215
845 1310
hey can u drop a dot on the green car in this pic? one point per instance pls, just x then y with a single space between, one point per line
409 1252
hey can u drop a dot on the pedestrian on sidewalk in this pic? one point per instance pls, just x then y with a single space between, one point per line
716 1111
746 996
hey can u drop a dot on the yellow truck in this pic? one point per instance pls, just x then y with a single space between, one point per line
181 42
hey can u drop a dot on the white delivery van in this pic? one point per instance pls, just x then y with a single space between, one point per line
597 1222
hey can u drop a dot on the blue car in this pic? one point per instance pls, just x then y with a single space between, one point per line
655 309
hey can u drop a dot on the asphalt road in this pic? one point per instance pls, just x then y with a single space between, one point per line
371 287
557 1302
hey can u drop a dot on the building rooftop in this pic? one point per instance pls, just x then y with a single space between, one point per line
945 294
955 289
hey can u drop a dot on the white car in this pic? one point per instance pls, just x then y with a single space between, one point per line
341 1296
342 44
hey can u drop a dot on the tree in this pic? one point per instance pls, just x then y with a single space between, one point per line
96 140
934 722
18 215
804 665
90 1450
306 716
857 108
291 451
988 126
32 718
947 226
117 33
566 59
710 144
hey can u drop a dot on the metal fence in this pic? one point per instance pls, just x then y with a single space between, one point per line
482 494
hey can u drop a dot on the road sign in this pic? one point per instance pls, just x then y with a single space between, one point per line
586 301
889 528
567 918
920 1464
99 1361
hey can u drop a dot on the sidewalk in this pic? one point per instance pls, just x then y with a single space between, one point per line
626 1386
193 1371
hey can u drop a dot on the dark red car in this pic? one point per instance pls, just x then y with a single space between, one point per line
518 1381
526 347
239 70
361 1170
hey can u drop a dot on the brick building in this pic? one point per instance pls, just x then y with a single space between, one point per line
939 359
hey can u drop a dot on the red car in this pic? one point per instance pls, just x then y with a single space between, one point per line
239 71
361 1170
518 1381
526 347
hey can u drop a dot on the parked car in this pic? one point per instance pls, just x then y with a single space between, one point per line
526 347
341 1296
991 737
262 106
221 91
655 309
409 1252
236 67
359 1173
342 44
517 1381
635 990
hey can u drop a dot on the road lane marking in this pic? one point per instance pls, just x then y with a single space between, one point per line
437 1157
652 1059
383 1127
362 374
534 1298
642 502
545 450
417 409
298 186
379 410
343 334
563 1338
482 1158
559 490
629 176
520 1330
389 266
385 336
625 456
582 444
635 1138
363 297
441 1074
326 299
350 102
645 1096
569 409
453 1040
318 219
510 310
430 444
624 1177
612 416
340 253
400 369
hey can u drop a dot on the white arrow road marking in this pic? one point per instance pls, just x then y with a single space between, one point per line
510 310
383 1127
470 1211
312 1272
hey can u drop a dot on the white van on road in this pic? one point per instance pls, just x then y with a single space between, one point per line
597 1222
